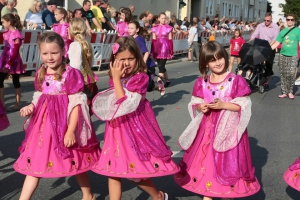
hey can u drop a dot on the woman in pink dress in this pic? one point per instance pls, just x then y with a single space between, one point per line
62 28
60 139
217 161
122 25
291 175
10 60
162 48
134 147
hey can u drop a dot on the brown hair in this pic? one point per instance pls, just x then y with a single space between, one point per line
127 13
129 43
14 20
291 15
238 30
64 12
211 51
50 37
268 14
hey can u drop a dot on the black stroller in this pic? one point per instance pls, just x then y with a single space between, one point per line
253 55
254 75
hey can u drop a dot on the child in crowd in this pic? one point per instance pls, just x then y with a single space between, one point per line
134 147
122 25
81 57
217 161
4 123
236 43
162 47
10 60
62 28
134 31
60 139
193 42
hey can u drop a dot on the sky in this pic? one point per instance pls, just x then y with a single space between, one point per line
276 10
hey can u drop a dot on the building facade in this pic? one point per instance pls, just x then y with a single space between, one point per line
247 10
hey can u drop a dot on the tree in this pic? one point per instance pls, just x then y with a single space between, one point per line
269 7
291 6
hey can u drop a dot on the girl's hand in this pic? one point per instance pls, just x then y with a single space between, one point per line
117 69
27 110
69 139
203 107
217 104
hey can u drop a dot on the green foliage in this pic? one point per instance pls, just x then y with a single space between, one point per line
291 6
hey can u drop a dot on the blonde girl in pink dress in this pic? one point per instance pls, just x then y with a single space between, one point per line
134 147
60 139
62 28
217 161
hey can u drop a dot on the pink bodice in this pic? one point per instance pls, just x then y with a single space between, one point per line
63 31
231 87
162 31
10 36
122 28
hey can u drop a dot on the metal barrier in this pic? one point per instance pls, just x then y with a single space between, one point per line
102 43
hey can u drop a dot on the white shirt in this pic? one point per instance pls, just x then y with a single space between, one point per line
75 55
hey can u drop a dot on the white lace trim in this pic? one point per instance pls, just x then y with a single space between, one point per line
105 108
187 137
231 125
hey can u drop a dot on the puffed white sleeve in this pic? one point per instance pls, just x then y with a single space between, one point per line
106 107
36 96
75 55
188 136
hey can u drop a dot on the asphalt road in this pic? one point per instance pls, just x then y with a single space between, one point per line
273 134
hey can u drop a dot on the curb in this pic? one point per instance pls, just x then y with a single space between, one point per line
29 81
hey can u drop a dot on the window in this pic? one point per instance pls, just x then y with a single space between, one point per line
237 11
246 12
225 13
218 2
209 7
255 13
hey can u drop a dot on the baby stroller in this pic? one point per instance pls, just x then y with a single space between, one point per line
253 54
254 75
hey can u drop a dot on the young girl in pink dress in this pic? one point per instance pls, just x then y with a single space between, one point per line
217 161
81 55
10 60
122 26
134 147
236 43
60 139
162 47
4 123
62 28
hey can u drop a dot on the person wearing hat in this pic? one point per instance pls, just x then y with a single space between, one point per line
48 14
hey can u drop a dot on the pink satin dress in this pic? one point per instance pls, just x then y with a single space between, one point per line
122 29
291 175
205 171
43 153
63 31
134 146
10 58
4 123
162 47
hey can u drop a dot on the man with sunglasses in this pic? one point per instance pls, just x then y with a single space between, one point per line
288 58
267 30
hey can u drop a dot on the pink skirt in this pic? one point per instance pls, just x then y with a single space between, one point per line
40 160
199 178
4 123
292 177
119 160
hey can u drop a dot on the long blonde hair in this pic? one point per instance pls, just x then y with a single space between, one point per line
50 37
78 31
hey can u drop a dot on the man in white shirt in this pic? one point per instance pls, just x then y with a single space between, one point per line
193 41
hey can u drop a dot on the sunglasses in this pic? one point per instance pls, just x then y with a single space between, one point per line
290 20
267 20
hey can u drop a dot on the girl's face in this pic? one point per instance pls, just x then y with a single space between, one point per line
217 66
162 19
58 16
5 24
123 16
236 34
128 60
51 55
132 30
78 14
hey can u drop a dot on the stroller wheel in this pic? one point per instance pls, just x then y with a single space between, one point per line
261 89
